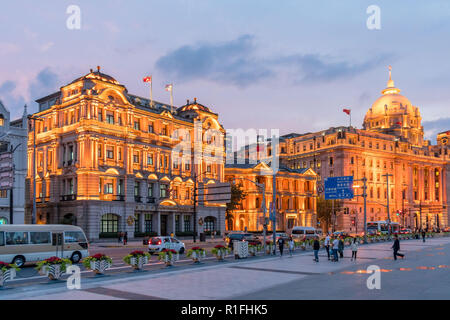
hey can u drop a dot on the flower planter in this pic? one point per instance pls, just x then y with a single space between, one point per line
6 276
53 272
197 255
138 262
99 267
220 252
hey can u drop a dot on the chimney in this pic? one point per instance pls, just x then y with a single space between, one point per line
195 100
187 101
91 70
98 68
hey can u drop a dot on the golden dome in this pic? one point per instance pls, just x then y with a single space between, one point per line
390 102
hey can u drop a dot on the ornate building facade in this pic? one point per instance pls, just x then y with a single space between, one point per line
105 161
13 166
390 142
295 196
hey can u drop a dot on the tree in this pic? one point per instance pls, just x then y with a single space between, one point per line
324 208
237 195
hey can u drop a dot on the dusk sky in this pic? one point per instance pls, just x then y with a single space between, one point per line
287 64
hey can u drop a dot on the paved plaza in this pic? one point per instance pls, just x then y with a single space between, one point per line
423 274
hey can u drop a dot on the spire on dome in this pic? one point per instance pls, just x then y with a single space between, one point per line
390 84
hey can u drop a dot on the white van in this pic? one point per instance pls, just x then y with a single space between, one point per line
20 244
301 232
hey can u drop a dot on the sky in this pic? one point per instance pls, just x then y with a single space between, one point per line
291 65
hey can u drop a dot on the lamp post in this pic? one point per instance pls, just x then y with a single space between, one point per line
387 197
364 195
33 214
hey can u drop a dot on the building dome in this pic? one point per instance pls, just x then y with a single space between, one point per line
390 102
393 113
194 106
97 75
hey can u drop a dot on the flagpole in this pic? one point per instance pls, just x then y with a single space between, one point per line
350 117
171 98
151 93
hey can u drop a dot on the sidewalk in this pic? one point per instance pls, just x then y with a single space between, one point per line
230 279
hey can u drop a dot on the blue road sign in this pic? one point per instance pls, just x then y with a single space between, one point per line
339 188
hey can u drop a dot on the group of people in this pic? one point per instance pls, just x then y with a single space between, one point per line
123 237
334 246
335 243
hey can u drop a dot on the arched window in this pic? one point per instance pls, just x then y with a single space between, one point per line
210 224
110 223
69 219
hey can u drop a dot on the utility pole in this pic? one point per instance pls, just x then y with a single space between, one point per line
387 197
33 215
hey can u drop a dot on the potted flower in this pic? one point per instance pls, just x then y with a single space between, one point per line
169 256
98 263
196 254
7 272
269 246
137 259
53 267
220 252
253 248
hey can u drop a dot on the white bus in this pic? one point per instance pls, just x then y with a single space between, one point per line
20 244
382 227
301 232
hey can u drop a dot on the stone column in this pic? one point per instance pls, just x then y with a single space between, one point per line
182 222
157 222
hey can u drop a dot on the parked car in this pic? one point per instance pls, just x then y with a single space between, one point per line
446 229
404 231
240 236
341 234
156 244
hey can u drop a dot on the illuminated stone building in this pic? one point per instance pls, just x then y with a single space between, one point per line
295 196
390 142
104 161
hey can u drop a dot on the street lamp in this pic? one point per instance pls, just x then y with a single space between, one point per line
33 215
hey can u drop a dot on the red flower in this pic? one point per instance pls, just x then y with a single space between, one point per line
197 248
253 243
219 246
53 260
268 242
4 264
99 256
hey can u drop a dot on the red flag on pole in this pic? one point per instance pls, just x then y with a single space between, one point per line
147 79
347 111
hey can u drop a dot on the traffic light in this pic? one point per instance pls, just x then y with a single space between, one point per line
353 221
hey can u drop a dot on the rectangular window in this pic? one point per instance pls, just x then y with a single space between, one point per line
110 118
120 187
100 115
120 154
137 188
137 125
163 191
74 236
39 237
4 193
110 153
177 223
187 166
109 188
15 238
150 190
148 222
150 160
187 223
150 127
136 158
2 237
137 227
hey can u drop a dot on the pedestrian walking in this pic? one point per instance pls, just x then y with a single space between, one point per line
119 238
125 238
354 249
423 235
396 248
316 248
326 244
291 246
281 245
341 247
335 247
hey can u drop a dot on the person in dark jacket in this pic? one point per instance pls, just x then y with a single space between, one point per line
396 248
125 238
423 235
281 245
341 248
316 248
